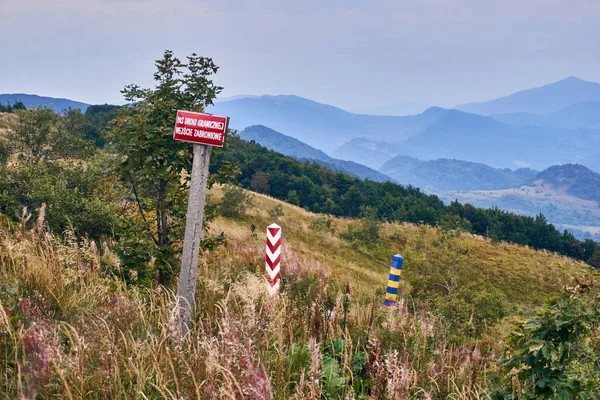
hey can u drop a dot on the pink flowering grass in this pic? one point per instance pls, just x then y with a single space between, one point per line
67 330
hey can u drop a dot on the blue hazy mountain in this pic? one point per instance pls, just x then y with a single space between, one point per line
404 108
369 153
319 125
447 174
33 101
567 195
579 115
290 146
477 138
541 100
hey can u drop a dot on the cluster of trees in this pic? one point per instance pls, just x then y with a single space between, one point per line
321 190
8 108
113 173
47 160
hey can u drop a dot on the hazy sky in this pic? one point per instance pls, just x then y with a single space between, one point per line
350 53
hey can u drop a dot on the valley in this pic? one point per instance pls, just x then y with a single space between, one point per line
559 207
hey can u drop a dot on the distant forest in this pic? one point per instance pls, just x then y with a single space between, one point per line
8 108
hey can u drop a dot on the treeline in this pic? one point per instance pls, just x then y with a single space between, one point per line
8 108
321 190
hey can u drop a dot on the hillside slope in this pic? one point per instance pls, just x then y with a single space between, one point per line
524 275
289 146
66 316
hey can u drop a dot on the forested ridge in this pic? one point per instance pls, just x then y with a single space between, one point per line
321 190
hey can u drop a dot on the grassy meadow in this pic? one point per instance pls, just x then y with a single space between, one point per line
70 330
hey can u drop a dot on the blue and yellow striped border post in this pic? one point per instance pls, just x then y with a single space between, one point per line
391 293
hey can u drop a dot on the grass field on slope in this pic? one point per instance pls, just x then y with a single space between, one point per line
525 276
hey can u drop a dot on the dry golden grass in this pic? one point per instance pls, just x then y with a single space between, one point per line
526 276
67 331
7 122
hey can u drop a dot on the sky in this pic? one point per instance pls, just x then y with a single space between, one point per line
349 53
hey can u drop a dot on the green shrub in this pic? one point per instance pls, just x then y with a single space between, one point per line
366 233
235 202
321 224
557 354
276 212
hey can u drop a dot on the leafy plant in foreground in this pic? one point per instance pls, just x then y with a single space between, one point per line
557 354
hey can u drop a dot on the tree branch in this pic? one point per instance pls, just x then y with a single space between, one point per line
446 286
139 204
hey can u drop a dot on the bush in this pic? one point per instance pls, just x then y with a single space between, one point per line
293 198
235 202
556 354
276 211
367 232
77 197
321 224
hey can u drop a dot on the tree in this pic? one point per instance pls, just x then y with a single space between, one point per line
260 183
293 198
154 166
98 117
41 135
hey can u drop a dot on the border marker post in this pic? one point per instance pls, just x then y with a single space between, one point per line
391 292
273 258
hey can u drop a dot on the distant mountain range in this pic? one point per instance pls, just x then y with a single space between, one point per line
579 115
554 124
483 139
568 195
33 101
398 109
541 100
476 138
287 145
319 125
446 174
513 137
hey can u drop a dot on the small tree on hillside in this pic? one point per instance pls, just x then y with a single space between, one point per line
150 162
260 183
43 135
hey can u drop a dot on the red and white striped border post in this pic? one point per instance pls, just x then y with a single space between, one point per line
273 258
